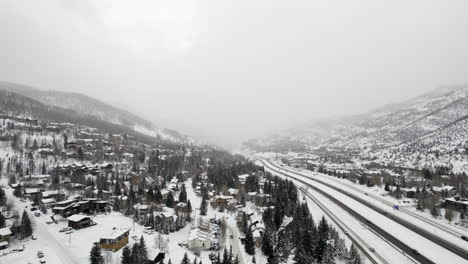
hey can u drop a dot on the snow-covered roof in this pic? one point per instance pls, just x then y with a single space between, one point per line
31 190
5 231
77 217
48 200
115 234
199 234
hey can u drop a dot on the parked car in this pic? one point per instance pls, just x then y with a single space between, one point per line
42 261
464 238
37 214
65 229
40 254
33 237
21 248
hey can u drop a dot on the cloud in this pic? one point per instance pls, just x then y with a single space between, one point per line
233 70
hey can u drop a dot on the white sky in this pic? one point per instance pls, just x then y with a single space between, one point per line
230 70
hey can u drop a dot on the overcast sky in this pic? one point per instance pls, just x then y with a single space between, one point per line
230 70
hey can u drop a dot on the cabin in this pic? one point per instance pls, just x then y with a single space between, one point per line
116 240
5 234
78 221
199 240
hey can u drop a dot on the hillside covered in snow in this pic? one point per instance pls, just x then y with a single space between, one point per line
429 130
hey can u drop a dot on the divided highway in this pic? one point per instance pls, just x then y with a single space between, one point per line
437 240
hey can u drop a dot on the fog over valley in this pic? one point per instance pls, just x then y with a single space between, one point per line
227 72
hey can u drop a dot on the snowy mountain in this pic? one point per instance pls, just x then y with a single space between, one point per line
93 108
434 123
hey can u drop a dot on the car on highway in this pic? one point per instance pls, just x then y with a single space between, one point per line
346 233
464 238
372 249
415 251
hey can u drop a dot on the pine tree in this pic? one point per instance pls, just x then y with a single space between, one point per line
170 200
158 196
249 242
354 256
203 208
135 254
126 255
226 257
267 247
2 221
143 250
95 256
183 195
3 198
328 256
185 260
26 228
44 170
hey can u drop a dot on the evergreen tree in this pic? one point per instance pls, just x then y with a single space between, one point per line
143 250
95 256
302 257
158 196
249 243
267 247
26 228
354 256
203 208
183 194
135 254
126 255
185 260
170 200
44 170
3 198
226 258
2 221
117 190
328 256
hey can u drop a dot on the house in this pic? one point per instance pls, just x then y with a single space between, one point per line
242 178
79 221
408 192
48 202
221 200
457 203
5 234
34 194
156 257
116 240
451 191
182 209
199 239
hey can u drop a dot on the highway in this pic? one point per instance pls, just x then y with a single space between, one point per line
392 239
439 241
359 242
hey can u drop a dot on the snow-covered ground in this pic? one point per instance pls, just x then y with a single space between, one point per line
60 248
424 246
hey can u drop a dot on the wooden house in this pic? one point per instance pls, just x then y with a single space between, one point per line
115 240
